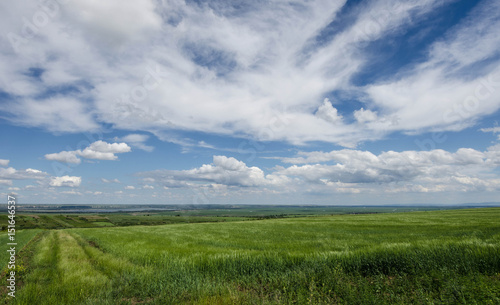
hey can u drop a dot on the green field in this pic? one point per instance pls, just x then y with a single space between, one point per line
64 217
64 221
436 257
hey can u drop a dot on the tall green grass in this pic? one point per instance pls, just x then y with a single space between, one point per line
424 257
22 237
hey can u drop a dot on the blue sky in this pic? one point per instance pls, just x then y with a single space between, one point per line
262 102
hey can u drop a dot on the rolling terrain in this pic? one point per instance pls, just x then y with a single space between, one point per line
432 257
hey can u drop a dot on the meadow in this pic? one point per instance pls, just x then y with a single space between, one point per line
64 221
432 257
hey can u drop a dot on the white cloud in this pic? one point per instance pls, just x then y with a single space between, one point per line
363 115
4 162
101 150
97 155
436 94
14 189
137 140
69 181
11 173
493 155
130 187
115 29
476 30
97 193
110 181
223 170
56 114
416 171
491 129
344 171
250 68
103 147
150 187
98 150
328 113
64 156
34 171
72 192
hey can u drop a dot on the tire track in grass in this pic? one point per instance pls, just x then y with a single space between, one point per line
127 278
74 264
23 261
44 271
63 274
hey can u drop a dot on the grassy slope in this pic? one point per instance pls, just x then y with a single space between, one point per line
422 257
63 221
22 238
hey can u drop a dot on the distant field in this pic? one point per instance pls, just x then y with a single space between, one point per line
436 257
61 217
290 211
64 221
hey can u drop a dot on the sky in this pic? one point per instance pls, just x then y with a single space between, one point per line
323 102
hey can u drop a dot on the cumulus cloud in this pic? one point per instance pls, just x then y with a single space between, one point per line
130 187
64 156
347 171
4 162
422 171
11 173
114 148
328 113
363 115
223 170
68 181
98 150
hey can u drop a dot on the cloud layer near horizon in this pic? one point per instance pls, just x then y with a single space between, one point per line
8 174
263 70
348 171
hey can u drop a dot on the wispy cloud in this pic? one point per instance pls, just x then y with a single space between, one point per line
221 69
110 181
137 140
